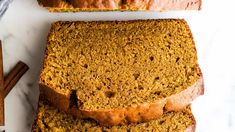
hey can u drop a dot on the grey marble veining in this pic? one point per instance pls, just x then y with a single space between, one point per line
24 28
3 6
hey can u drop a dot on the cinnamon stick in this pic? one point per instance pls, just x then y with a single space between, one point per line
1 68
14 76
1 88
9 82
2 119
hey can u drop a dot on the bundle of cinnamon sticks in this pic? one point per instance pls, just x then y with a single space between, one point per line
8 82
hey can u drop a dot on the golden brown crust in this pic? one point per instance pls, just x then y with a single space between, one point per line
37 126
141 113
178 101
92 5
56 98
99 4
51 3
146 112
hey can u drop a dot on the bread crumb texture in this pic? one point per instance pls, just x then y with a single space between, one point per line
119 64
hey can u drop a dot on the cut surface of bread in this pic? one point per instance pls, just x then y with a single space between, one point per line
122 71
50 119
121 5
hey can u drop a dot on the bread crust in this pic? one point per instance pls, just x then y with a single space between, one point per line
36 127
144 112
163 5
122 5
56 98
99 4
51 3
133 114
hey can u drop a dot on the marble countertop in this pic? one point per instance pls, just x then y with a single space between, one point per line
24 28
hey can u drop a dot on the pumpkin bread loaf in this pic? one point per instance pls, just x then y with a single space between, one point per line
121 72
50 119
121 5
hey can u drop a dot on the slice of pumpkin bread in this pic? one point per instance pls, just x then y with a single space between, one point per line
119 5
50 119
121 72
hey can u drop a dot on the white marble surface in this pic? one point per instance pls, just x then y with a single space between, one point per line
24 29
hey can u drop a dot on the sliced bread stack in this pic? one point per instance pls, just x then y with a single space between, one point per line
119 76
